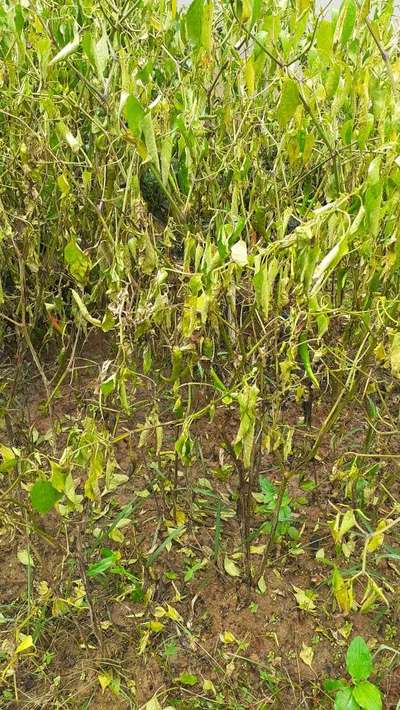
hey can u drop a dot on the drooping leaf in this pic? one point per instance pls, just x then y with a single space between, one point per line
67 50
25 558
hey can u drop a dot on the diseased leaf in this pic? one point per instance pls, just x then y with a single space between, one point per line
239 253
307 655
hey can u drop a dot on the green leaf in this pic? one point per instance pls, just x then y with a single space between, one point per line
349 19
134 114
333 684
44 496
368 696
359 661
304 354
187 678
344 700
288 102
194 22
102 566
77 261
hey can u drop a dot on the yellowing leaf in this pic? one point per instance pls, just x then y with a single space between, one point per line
180 517
231 568
173 614
262 585
77 261
25 643
208 686
395 355
249 75
307 654
376 539
288 102
227 637
155 626
105 680
305 599
343 591
25 558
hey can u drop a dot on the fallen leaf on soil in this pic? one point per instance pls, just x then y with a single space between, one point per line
307 654
231 568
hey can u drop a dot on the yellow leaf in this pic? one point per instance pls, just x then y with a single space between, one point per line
180 517
25 643
155 626
152 704
104 680
379 352
173 614
305 599
257 549
262 585
227 637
